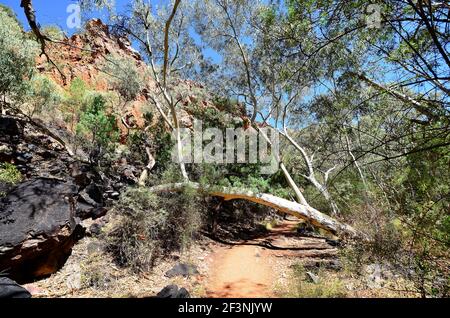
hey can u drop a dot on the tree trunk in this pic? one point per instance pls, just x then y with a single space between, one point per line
300 198
293 208
312 177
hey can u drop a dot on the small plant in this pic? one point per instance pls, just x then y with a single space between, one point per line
325 287
94 273
9 173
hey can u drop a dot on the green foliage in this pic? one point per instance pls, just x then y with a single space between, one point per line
54 32
422 202
136 146
133 242
74 101
9 173
268 16
163 145
43 96
124 77
17 54
97 127
228 105
10 13
78 89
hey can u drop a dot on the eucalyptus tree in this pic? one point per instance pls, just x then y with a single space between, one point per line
169 50
399 48
256 67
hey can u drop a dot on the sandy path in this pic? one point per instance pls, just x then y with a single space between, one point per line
240 271
245 270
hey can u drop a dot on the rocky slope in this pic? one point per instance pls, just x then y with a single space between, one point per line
40 217
85 55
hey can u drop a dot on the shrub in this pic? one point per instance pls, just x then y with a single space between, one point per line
98 128
9 173
54 32
43 95
133 241
149 226
124 77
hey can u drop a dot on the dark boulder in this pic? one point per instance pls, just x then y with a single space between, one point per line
10 289
181 269
9 126
90 203
38 228
172 291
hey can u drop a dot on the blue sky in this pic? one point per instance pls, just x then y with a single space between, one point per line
55 11
56 14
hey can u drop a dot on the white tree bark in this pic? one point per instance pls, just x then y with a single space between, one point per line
300 198
355 162
311 177
298 210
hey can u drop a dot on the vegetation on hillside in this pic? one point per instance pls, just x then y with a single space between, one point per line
361 110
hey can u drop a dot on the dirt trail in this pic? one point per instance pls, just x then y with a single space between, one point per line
240 271
245 270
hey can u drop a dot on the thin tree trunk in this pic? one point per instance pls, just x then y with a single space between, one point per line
358 168
322 188
300 198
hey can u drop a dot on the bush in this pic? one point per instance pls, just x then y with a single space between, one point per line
77 98
149 226
17 55
98 128
54 32
9 173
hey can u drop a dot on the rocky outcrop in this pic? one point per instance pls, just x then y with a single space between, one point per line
39 217
38 226
172 291
83 54
10 289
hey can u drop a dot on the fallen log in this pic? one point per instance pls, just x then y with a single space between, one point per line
298 210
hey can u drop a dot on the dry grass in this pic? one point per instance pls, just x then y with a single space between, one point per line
95 275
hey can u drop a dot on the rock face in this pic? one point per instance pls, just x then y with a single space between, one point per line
10 289
172 291
39 217
38 228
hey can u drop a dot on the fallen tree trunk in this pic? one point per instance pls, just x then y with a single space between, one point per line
293 208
